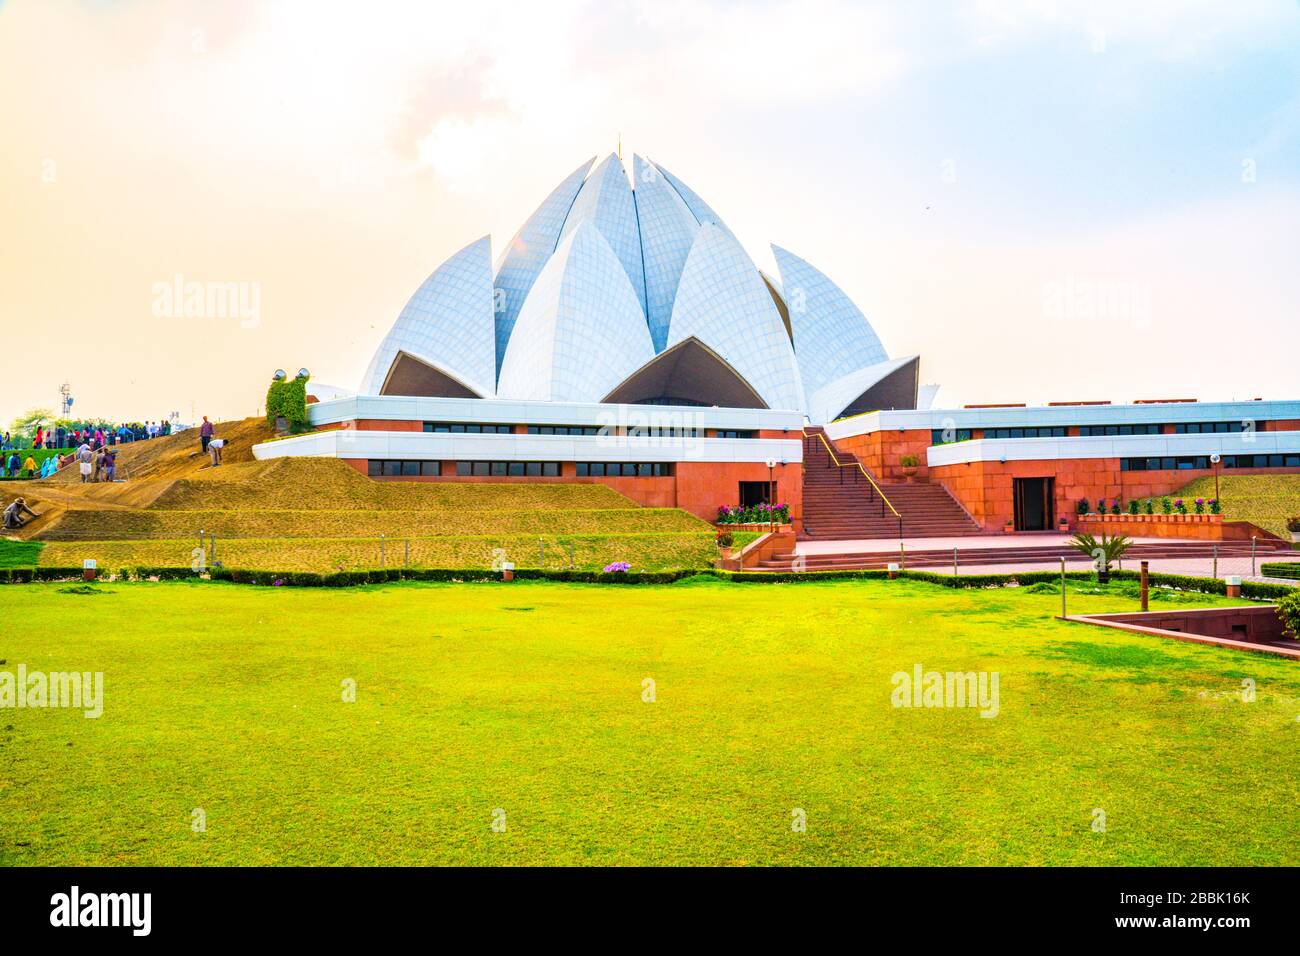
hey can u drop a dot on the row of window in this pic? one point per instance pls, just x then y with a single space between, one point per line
1208 428
510 469
381 468
1092 431
948 436
1045 432
945 436
617 469
457 428
1192 462
635 431
564 429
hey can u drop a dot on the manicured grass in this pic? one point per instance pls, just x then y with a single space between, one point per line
1264 500
679 549
351 523
529 697
19 554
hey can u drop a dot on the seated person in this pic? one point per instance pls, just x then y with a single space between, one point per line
15 514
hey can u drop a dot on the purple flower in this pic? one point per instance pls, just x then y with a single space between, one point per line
618 567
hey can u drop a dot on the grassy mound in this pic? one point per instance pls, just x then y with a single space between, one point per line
1265 500
327 484
333 515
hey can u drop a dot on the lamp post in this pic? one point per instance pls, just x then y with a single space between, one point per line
1214 460
771 492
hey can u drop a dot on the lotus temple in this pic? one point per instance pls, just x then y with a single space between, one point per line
624 336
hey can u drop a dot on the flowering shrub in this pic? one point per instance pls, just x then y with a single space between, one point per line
1082 506
1200 506
1180 506
618 567
759 514
1166 506
1215 507
1114 507
725 539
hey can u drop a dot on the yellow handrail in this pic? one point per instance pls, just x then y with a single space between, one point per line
866 474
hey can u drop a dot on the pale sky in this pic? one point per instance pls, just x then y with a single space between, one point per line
1047 201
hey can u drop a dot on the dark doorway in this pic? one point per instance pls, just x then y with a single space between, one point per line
754 493
1035 503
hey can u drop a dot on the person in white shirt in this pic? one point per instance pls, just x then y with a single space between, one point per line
214 449
85 459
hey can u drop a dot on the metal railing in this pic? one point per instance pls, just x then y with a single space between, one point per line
875 489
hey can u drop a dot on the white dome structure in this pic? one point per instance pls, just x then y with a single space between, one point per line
637 293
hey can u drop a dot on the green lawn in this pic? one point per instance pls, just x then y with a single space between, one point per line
19 554
528 697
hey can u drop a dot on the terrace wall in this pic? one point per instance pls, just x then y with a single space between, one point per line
985 487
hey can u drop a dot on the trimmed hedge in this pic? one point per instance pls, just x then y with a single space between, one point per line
1283 569
335 579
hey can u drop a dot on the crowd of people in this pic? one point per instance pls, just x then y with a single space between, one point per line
94 449
73 436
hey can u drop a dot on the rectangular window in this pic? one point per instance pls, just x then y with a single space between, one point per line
463 428
515 469
396 468
480 469
955 435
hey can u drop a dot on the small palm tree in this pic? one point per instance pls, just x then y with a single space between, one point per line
1104 551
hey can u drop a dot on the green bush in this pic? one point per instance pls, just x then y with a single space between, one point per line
288 400
1281 570
1288 609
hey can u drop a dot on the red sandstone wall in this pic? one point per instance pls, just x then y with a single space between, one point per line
985 487
881 450
697 487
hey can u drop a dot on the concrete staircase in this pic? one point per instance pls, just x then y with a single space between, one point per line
840 503
1046 555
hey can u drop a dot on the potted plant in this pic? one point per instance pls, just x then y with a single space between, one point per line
1103 551
1166 505
725 540
910 463
1133 507
1115 509
1293 525
1200 507
1151 508
1082 507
